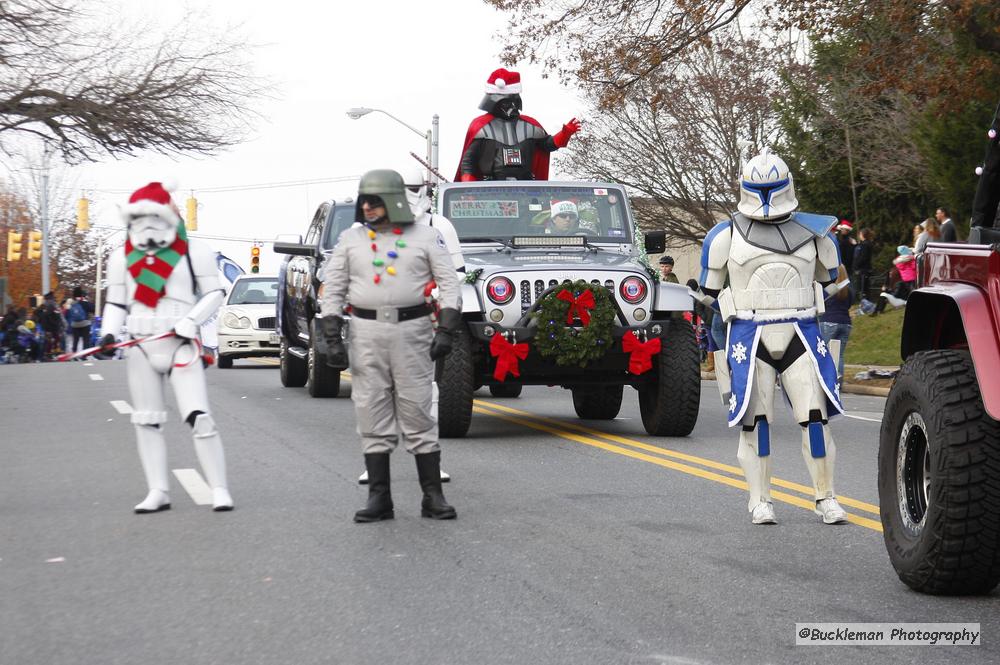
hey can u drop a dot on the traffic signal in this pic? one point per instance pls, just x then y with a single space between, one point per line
35 245
255 259
82 215
192 214
14 245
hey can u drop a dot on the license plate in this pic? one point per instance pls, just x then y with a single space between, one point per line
274 339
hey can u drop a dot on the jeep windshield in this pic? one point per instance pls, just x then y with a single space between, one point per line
500 212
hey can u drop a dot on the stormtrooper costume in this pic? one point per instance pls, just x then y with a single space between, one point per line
161 282
768 267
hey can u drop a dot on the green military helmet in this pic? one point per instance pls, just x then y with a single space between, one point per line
387 185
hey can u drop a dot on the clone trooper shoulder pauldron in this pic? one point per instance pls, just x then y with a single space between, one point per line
783 237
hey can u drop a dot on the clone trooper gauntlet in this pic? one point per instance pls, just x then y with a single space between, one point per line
444 339
336 352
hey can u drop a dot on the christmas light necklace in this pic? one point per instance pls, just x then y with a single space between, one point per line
386 265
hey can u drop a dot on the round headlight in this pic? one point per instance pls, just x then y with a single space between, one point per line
500 290
230 320
244 322
632 290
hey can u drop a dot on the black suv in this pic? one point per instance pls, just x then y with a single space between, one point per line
303 352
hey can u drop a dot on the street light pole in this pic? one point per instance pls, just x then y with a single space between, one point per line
430 136
44 215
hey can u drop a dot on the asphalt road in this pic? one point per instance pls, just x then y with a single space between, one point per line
577 542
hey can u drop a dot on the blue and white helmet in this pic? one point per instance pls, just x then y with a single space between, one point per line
766 188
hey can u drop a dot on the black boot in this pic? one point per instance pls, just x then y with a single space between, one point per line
429 471
379 499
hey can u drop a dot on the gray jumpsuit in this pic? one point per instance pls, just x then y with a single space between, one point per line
391 369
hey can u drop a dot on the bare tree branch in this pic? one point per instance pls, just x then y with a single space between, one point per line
93 91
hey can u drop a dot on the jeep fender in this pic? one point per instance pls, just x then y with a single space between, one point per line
954 315
672 297
470 299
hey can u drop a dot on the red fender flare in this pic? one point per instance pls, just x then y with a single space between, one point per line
952 315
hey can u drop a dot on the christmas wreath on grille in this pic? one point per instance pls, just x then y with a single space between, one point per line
560 312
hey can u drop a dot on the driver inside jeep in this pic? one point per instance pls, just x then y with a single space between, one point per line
562 218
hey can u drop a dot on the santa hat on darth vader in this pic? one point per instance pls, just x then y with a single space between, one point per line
501 84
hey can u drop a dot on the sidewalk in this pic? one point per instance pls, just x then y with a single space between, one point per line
874 387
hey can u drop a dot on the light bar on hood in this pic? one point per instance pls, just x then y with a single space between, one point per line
549 241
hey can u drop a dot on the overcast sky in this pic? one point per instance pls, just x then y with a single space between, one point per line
412 59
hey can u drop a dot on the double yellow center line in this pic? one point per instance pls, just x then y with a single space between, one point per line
671 459
798 495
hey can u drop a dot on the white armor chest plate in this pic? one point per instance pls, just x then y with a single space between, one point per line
176 301
761 279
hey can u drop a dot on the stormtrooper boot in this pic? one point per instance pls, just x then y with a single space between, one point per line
208 448
379 505
429 472
153 455
819 453
754 455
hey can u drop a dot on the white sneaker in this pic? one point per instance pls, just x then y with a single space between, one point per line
830 511
763 513
154 502
221 500
894 301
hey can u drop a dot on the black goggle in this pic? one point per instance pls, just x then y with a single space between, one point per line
371 200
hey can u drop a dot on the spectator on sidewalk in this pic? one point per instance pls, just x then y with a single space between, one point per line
930 232
948 231
667 270
835 323
901 280
861 277
846 243
49 319
80 317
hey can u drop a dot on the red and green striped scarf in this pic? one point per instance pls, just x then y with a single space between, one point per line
150 271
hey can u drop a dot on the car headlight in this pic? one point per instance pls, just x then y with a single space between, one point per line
632 290
231 320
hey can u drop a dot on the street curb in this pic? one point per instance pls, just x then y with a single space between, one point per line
851 388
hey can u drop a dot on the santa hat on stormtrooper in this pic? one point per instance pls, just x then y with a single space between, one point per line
152 200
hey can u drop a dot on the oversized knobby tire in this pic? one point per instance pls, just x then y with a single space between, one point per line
508 390
321 379
224 362
454 378
939 477
294 370
597 402
669 404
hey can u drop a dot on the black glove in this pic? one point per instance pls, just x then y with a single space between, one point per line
449 321
336 352
106 343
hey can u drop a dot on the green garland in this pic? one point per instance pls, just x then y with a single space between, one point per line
569 345
470 278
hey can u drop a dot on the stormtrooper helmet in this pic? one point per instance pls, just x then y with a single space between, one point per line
151 217
766 189
417 191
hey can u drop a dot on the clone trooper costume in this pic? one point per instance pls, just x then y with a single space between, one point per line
162 282
504 144
380 270
776 261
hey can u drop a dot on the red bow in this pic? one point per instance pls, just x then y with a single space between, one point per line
579 307
640 353
507 355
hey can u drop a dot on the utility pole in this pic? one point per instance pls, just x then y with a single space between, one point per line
44 214
850 169
435 133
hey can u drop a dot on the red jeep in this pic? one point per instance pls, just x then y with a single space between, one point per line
939 448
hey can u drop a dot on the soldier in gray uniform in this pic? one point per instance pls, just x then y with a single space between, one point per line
380 270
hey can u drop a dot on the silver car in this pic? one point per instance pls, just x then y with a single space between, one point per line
246 320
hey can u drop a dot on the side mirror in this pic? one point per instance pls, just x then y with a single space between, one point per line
294 248
656 242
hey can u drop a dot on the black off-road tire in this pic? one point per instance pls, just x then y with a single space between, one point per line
322 380
294 370
224 362
507 390
669 404
940 511
455 387
597 402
